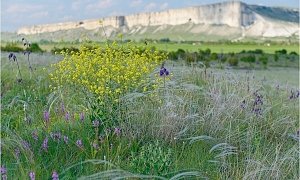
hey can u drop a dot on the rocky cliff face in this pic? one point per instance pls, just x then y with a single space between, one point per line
233 14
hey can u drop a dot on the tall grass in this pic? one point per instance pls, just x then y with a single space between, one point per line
205 118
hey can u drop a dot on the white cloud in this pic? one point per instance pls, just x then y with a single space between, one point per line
116 13
76 5
151 6
164 6
40 14
136 3
66 18
23 8
101 4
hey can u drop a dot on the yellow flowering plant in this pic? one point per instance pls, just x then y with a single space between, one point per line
107 72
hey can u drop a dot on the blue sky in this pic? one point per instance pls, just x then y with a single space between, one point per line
19 13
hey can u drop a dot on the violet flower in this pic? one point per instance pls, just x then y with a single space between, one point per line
163 71
62 107
96 123
46 116
243 105
25 144
117 131
35 135
55 175
66 139
17 153
32 175
67 116
79 143
3 170
45 144
81 116
95 145
55 136
3 173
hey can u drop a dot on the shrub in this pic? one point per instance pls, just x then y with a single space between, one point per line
107 72
233 61
191 58
294 53
214 56
223 59
152 159
164 40
264 60
207 52
64 49
34 47
12 47
249 59
283 51
276 57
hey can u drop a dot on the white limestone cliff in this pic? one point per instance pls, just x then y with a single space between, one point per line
233 14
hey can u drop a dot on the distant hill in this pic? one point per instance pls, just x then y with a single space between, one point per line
230 20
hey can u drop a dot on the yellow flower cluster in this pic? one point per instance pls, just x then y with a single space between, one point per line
108 71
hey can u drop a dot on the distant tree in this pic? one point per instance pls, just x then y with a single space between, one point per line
233 61
264 61
214 56
276 57
180 53
283 51
223 59
35 48
12 47
293 53
207 52
249 59
191 58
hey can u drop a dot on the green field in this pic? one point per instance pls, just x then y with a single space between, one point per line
226 48
199 123
173 46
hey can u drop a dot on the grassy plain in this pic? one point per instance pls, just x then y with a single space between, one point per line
173 46
206 119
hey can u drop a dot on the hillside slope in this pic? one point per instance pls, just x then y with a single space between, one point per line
228 20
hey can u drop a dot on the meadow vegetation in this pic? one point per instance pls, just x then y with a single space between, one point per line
124 111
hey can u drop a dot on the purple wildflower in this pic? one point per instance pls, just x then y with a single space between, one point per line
82 116
96 123
3 173
101 139
17 153
62 107
35 135
243 105
294 95
79 143
55 136
66 139
45 144
163 71
46 116
55 175
3 170
258 102
95 145
32 175
117 131
67 116
26 145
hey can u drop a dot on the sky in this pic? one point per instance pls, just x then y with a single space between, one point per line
20 13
